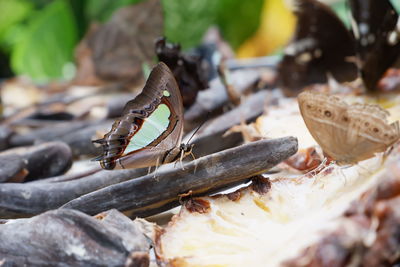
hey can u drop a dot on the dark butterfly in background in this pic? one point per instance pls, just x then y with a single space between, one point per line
376 28
323 46
190 71
150 130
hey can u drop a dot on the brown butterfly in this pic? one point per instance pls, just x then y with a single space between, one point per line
149 133
347 133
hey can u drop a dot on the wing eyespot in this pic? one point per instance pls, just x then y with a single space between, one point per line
327 113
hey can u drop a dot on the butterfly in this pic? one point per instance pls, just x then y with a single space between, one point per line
150 130
189 70
347 133
322 45
376 28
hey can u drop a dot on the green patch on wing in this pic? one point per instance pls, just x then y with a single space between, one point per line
166 93
152 128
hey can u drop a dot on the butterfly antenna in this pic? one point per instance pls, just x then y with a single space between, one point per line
198 128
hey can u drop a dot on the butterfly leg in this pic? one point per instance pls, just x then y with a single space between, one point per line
318 169
194 158
156 168
120 163
195 168
191 153
149 170
343 175
181 159
386 154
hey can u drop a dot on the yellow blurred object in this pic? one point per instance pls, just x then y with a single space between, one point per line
276 28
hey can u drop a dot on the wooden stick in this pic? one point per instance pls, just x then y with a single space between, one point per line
213 99
211 139
27 199
158 192
63 236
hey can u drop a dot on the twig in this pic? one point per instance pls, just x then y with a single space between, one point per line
158 192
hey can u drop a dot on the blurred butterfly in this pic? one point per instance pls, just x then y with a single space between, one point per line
322 44
347 133
149 133
376 28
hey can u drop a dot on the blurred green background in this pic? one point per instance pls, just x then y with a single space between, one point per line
38 37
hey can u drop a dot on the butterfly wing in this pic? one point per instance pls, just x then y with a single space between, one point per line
321 45
369 132
376 28
326 119
175 103
150 126
347 133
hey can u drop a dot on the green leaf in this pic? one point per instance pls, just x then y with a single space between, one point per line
101 10
186 20
48 43
239 19
13 11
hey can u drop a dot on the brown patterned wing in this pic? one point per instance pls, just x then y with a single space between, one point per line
369 132
326 119
150 126
347 133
